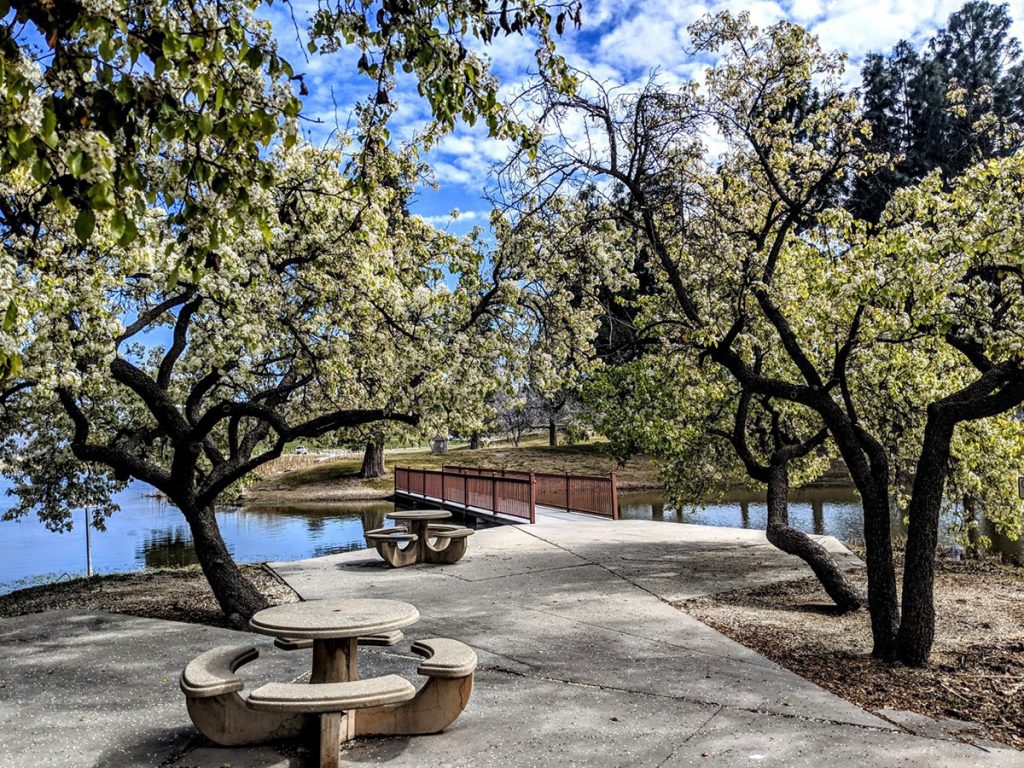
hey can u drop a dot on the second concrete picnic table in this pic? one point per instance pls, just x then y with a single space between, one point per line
417 528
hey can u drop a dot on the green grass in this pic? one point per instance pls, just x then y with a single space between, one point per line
532 455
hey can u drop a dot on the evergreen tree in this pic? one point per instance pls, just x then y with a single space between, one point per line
951 104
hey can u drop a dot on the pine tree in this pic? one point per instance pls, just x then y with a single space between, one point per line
955 102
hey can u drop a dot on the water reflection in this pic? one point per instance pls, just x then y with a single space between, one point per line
274 532
831 510
166 549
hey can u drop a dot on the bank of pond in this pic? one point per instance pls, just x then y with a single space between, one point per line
148 532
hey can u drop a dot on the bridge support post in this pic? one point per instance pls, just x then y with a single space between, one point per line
533 498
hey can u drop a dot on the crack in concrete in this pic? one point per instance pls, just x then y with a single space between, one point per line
691 700
604 567
686 741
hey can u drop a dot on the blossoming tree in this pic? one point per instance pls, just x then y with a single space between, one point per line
892 344
343 311
113 105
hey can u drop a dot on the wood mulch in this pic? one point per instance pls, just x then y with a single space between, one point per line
173 594
977 665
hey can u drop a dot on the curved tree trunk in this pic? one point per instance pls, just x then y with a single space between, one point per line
373 459
917 630
237 596
552 432
794 542
474 441
869 470
883 600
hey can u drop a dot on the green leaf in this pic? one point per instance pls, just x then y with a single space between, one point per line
254 58
117 224
49 128
130 233
85 224
80 163
41 170
10 316
102 196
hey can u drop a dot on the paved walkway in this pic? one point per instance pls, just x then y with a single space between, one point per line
583 662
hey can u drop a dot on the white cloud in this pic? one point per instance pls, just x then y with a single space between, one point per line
620 42
444 219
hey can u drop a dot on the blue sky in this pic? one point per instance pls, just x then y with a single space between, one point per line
619 42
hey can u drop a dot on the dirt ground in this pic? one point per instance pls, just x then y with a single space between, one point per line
174 594
977 666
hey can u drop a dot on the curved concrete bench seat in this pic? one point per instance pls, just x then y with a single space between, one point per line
334 703
212 698
451 543
449 665
449 531
444 657
387 541
213 673
320 698
397 533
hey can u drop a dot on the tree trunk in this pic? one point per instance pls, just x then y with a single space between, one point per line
794 542
972 522
474 441
869 470
552 432
237 596
917 630
373 459
883 600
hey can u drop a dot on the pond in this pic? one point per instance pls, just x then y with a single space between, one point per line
827 510
148 532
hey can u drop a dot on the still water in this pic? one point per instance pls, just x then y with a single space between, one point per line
829 510
148 532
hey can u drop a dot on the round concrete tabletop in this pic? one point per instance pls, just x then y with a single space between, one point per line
419 514
329 619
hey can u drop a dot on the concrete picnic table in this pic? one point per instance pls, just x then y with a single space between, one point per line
416 528
418 522
344 705
335 627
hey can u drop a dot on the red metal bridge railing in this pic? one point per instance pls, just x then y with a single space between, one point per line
593 494
512 496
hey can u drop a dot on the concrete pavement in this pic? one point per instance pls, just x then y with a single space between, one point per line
583 662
